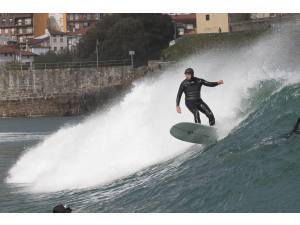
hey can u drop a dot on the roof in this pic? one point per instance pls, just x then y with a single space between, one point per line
56 32
37 41
13 50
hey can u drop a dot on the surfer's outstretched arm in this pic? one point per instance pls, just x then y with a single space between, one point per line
211 84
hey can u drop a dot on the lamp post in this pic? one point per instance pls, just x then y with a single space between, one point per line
131 53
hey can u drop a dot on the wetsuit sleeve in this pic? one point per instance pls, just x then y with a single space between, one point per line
179 94
209 84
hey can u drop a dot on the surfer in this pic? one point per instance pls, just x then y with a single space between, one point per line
191 87
296 130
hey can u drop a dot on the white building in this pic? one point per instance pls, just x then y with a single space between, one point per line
58 41
11 54
40 46
73 40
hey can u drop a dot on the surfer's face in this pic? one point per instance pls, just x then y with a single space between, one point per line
188 76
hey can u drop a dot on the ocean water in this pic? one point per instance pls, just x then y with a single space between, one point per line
123 159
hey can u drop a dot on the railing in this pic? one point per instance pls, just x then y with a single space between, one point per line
64 65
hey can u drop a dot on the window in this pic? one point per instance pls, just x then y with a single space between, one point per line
0 31
29 30
3 21
85 24
71 17
61 48
61 39
76 25
5 54
55 48
54 40
19 22
28 21
207 17
190 26
10 21
6 31
88 16
76 17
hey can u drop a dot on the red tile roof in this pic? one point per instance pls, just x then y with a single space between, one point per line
184 18
13 50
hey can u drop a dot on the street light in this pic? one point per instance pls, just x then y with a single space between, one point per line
131 53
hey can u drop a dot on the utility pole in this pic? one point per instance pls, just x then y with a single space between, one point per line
97 43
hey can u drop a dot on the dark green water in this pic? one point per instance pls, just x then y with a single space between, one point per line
254 168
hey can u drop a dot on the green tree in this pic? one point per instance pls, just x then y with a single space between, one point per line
146 34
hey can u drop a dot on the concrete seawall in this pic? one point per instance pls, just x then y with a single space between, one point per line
61 92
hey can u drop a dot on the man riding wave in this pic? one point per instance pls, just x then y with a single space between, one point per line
191 87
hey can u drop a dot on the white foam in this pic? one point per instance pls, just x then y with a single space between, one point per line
134 133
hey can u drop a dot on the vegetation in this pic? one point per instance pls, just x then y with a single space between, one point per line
192 44
52 57
117 34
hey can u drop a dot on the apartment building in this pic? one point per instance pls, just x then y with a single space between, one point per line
78 21
18 26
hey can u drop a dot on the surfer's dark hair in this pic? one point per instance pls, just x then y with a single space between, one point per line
189 71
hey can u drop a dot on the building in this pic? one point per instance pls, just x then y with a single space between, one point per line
12 54
184 23
57 21
58 41
73 40
18 26
40 23
255 16
7 41
212 22
39 46
78 21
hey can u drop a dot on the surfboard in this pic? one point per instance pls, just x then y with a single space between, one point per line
194 133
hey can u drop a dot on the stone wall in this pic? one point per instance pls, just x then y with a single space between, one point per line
60 92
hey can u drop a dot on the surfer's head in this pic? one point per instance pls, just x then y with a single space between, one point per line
189 73
62 209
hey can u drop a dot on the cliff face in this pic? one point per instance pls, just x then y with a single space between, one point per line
59 92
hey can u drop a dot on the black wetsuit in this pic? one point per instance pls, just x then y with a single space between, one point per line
193 101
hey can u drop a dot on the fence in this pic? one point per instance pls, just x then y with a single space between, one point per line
64 65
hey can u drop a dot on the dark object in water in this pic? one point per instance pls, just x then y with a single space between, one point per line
296 129
62 209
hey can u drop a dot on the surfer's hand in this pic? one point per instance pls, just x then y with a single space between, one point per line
178 109
220 82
